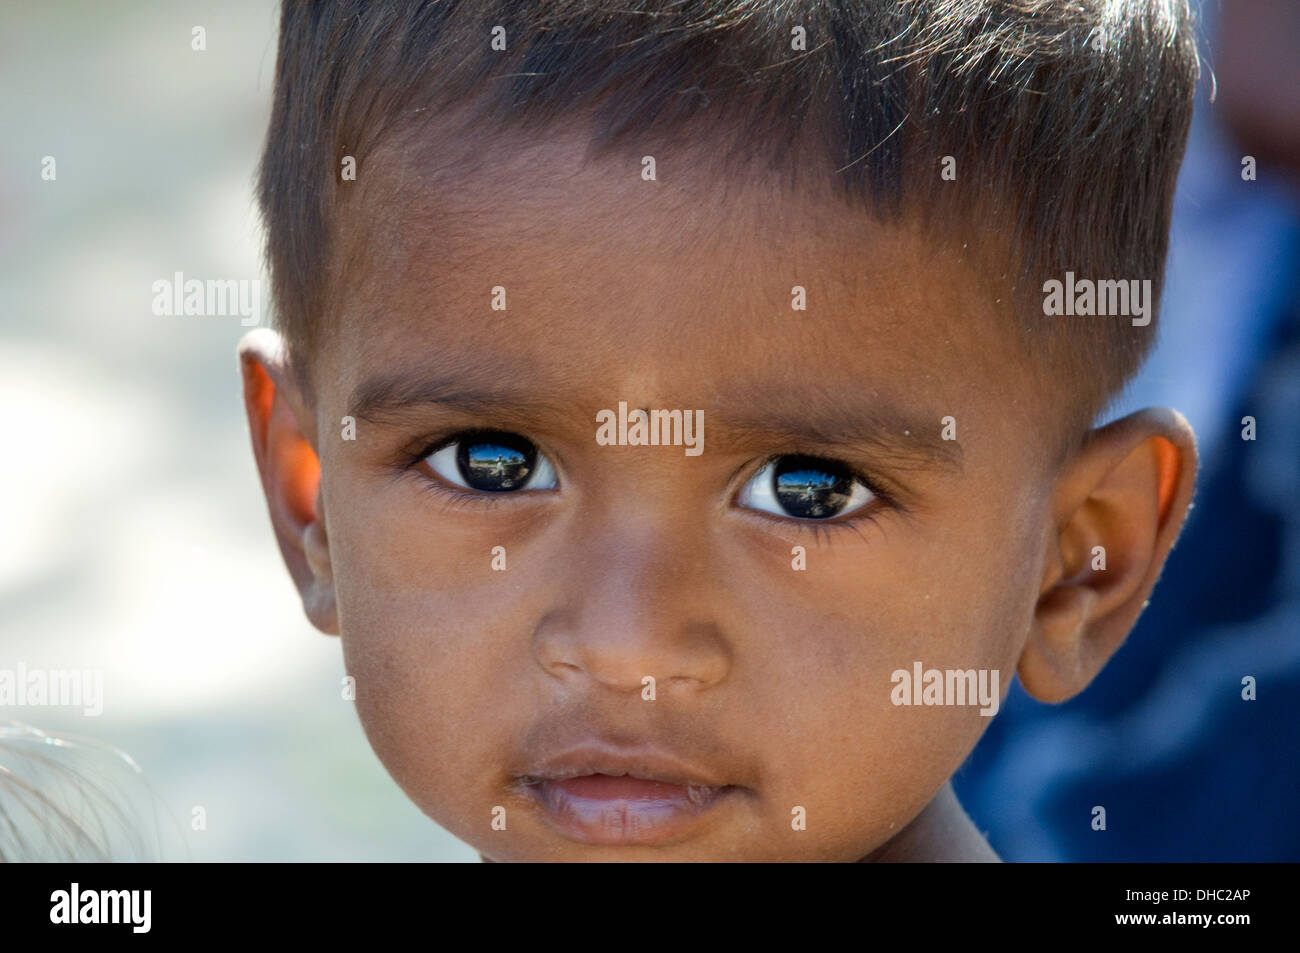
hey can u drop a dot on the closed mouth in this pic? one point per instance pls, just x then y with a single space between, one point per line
600 796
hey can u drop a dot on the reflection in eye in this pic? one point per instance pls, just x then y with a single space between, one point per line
806 488
492 462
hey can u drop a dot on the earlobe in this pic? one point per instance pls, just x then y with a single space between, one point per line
318 599
1118 508
281 430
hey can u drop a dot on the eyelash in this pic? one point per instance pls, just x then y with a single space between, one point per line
453 497
456 498
884 500
832 529
821 530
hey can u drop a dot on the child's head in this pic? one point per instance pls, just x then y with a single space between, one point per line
509 240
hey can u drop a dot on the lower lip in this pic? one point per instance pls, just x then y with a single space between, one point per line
599 809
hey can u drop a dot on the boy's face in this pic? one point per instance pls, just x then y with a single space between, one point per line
524 687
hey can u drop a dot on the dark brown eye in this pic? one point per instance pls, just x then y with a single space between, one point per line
492 462
806 488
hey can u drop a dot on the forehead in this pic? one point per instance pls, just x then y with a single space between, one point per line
674 288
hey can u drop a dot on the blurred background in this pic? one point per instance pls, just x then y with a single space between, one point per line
134 538
133 532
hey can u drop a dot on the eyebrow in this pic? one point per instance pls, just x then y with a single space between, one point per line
471 389
863 420
883 429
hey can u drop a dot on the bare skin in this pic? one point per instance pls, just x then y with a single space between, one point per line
772 683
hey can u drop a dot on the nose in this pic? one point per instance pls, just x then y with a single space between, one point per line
638 602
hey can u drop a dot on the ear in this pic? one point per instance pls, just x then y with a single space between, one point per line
283 432
1127 491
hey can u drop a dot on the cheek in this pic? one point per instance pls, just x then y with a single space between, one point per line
833 735
430 633
415 678
960 597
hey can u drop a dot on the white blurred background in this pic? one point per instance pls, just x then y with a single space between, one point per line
133 533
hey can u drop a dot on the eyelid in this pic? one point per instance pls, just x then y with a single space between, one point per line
420 463
441 443
421 446
867 509
866 479
888 491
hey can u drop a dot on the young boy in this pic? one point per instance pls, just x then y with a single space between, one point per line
684 412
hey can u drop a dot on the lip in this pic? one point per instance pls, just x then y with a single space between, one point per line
599 794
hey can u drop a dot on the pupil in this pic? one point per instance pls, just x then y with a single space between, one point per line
496 462
808 488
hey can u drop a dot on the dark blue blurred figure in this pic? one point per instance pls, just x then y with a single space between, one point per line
1185 768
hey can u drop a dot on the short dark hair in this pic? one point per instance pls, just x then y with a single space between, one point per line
1066 118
